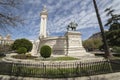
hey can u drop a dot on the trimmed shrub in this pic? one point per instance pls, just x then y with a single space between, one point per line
45 51
22 50
22 43
2 54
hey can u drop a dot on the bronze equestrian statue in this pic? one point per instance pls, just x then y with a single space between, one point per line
72 26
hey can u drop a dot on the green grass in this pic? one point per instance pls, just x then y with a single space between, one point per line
23 56
115 58
64 58
61 72
52 71
1 58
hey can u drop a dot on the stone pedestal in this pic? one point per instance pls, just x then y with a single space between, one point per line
70 45
34 51
74 44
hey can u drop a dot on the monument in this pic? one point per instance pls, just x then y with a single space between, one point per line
69 45
43 23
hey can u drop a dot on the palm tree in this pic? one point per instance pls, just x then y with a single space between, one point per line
106 48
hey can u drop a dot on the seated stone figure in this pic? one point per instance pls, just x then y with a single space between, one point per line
72 26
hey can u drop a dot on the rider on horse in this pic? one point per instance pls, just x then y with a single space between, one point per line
73 26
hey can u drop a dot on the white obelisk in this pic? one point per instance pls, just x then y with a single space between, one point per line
43 24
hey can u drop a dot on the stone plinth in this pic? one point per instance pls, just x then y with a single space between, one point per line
70 45
74 44
58 44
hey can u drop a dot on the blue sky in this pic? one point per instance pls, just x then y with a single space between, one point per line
60 14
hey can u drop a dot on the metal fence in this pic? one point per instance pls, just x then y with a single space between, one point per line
76 69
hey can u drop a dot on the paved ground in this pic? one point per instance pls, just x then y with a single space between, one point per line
111 76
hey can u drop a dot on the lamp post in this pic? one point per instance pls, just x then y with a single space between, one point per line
106 48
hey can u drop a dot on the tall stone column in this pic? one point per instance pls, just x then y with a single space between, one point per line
43 24
42 33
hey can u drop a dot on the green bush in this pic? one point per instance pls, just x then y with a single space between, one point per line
22 50
116 49
45 51
92 44
22 43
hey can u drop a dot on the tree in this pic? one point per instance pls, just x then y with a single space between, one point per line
113 35
92 44
88 45
22 43
8 17
114 19
114 26
106 48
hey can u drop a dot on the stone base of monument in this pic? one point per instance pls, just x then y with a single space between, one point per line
34 51
74 44
70 44
79 52
83 54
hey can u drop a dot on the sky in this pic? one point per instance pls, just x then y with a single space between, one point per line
60 14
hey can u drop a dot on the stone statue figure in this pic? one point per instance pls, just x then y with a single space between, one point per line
72 26
44 8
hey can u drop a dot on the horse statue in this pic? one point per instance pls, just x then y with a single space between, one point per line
72 26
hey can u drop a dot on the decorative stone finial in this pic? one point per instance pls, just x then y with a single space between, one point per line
44 10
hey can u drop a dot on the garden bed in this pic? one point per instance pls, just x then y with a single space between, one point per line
23 56
65 58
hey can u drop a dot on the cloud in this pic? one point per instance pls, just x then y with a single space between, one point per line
60 14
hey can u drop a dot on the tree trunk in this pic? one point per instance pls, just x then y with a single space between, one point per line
106 48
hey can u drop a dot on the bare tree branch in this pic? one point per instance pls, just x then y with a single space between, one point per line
7 15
